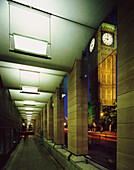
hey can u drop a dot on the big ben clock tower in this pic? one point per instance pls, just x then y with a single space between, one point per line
102 70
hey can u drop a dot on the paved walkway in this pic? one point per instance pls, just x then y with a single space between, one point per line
31 155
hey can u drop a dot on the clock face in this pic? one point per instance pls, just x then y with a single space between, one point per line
107 39
92 44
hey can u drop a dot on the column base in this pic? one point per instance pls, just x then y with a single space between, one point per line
44 139
77 158
58 146
50 141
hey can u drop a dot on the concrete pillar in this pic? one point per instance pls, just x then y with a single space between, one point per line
45 122
125 98
38 124
77 111
41 117
49 120
58 118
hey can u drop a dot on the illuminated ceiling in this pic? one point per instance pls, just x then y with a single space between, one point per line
71 27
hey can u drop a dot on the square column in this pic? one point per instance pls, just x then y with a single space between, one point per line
45 122
58 118
49 120
77 111
38 124
41 130
125 82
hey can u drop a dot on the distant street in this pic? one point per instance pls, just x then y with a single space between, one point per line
109 136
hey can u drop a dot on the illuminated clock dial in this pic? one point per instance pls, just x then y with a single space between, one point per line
107 38
92 45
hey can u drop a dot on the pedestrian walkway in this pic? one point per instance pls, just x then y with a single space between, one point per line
31 155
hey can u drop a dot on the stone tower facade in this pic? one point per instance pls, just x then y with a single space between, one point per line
102 71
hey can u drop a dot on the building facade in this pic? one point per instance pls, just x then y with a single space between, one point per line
102 71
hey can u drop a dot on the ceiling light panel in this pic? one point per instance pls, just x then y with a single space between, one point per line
34 109
29 113
16 95
30 45
28 102
29 108
29 89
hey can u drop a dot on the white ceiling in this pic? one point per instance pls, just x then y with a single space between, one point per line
68 39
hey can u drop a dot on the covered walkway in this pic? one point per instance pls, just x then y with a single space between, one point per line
31 155
48 80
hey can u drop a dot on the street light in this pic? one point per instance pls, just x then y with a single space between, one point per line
102 114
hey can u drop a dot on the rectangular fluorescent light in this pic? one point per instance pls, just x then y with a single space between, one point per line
28 108
29 113
30 89
28 102
30 45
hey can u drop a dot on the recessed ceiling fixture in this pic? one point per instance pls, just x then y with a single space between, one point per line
29 116
29 113
28 102
29 45
29 90
29 108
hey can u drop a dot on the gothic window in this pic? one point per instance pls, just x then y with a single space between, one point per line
109 63
104 56
104 64
109 79
108 93
103 78
103 93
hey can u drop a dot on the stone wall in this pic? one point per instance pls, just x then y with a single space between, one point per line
125 99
